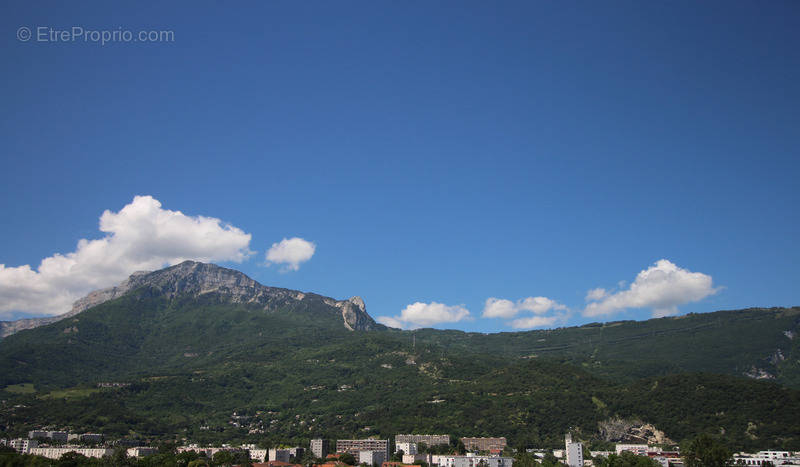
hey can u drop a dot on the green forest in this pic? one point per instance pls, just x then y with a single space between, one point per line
206 371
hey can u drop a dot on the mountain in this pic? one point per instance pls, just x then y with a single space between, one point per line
758 343
205 353
195 279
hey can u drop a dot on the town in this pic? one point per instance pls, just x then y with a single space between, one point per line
407 450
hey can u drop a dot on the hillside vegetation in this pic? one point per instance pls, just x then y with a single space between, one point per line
205 369
758 341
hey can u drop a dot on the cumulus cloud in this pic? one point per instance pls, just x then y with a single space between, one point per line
290 252
535 321
597 294
141 236
420 314
499 308
538 306
502 308
662 287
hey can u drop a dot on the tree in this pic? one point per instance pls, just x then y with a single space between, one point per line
241 458
549 460
705 451
120 458
72 459
525 459
627 459
348 458
460 448
186 457
222 458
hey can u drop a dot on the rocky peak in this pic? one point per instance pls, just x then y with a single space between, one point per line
192 278
354 313
358 302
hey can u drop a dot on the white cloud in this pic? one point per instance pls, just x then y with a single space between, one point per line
539 306
391 322
141 236
597 294
535 321
291 252
502 308
499 308
420 314
662 287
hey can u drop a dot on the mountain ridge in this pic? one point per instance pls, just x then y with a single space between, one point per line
191 344
197 279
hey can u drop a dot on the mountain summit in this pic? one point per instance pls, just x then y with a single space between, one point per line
192 279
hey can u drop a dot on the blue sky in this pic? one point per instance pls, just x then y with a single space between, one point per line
434 153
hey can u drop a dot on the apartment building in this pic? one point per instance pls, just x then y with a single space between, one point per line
638 449
141 451
471 460
407 448
574 452
430 440
57 452
484 444
374 458
354 446
22 445
320 447
283 455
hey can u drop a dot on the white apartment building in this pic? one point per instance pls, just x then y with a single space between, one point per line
638 449
259 455
574 452
372 457
776 458
320 447
141 451
208 451
354 446
430 440
57 452
22 445
412 458
471 460
407 448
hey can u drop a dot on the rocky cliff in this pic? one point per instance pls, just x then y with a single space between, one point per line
194 279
